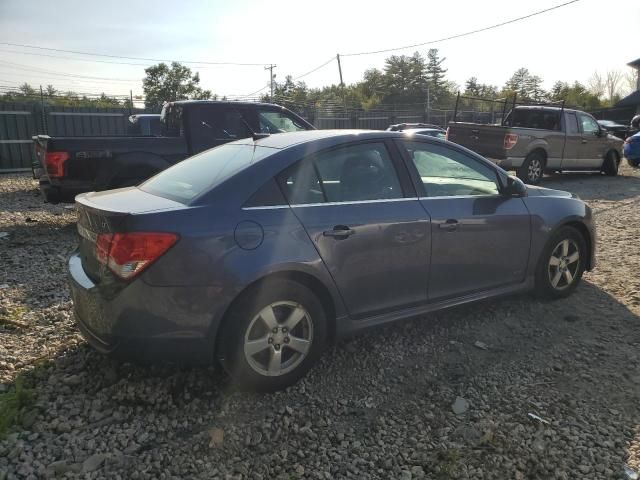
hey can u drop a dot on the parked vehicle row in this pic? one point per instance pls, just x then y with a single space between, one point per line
537 139
70 165
259 252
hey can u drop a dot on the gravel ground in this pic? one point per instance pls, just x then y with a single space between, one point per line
419 399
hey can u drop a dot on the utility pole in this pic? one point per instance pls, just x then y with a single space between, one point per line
340 69
344 96
271 77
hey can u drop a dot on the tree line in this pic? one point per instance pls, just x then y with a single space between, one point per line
404 79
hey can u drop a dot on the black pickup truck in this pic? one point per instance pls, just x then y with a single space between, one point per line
70 165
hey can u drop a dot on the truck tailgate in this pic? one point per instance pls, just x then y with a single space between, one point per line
487 140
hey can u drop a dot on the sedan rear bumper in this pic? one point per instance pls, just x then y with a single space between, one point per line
130 325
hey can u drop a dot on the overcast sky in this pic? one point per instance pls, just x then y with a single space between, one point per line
567 44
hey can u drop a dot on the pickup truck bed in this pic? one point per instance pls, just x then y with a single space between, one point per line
99 163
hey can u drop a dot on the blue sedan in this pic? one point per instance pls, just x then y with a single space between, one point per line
259 252
631 150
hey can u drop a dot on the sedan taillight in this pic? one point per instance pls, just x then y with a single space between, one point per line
128 254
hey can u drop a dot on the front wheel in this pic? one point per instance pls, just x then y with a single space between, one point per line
561 264
532 169
273 335
611 165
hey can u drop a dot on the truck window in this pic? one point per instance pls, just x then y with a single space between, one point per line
572 124
589 125
533 118
278 122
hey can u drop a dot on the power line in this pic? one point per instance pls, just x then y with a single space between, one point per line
299 76
484 29
62 74
315 69
76 52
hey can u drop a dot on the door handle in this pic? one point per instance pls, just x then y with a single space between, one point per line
584 141
339 231
450 225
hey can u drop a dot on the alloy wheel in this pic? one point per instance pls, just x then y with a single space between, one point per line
278 339
534 172
564 264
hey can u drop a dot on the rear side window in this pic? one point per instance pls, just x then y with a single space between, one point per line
572 124
530 118
352 173
192 177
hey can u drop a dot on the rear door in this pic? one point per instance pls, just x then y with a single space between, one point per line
592 146
480 239
573 142
368 227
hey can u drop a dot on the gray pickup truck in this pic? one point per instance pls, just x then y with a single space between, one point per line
535 139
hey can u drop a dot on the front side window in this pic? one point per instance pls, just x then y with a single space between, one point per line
278 122
347 174
589 125
448 173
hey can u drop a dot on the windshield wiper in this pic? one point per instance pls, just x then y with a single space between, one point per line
254 135
205 124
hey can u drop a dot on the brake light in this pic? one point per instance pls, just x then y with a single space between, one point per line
128 254
446 135
510 140
54 163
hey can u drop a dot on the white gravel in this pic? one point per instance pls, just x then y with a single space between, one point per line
378 406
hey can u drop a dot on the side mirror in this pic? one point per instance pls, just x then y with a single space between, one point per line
515 187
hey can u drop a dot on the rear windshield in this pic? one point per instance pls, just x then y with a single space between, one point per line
192 177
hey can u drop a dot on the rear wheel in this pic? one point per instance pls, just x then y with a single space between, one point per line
611 164
532 169
273 335
561 264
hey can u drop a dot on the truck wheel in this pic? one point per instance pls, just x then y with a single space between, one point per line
273 335
532 169
611 164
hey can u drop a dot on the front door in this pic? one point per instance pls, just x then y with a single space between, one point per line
479 238
593 145
373 239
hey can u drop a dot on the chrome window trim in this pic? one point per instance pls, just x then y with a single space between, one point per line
460 196
324 204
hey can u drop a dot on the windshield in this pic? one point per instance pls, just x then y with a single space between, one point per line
199 174
278 122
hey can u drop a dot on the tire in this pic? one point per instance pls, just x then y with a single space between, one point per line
551 280
257 322
532 169
611 165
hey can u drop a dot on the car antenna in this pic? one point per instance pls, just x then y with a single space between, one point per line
254 135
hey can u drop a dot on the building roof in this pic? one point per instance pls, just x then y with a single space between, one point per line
630 100
635 63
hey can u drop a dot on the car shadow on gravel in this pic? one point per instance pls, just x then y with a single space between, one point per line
385 396
593 186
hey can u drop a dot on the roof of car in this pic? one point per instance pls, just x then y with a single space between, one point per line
284 140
